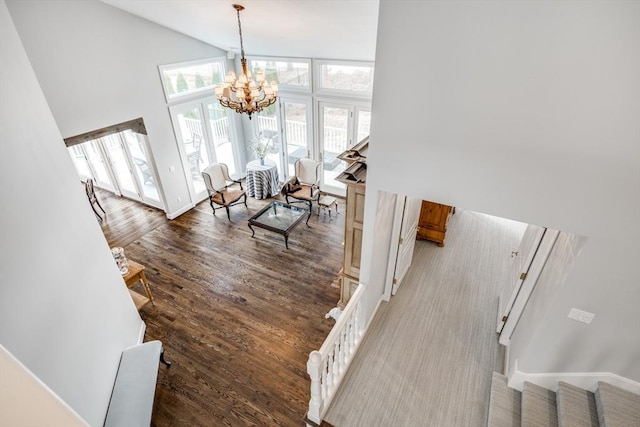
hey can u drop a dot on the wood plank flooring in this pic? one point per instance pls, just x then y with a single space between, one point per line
429 354
237 315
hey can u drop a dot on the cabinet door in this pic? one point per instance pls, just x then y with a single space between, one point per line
353 230
432 215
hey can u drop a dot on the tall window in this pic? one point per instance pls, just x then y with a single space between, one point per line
343 108
205 131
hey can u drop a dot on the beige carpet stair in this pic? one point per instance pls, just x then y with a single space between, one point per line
504 407
571 406
538 407
576 407
617 407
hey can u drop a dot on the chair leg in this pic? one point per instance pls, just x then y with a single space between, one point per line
100 206
228 215
245 201
212 208
286 197
95 211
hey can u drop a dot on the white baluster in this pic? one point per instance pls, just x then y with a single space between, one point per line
342 363
330 376
336 359
323 381
313 369
347 339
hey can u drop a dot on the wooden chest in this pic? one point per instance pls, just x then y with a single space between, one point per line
432 224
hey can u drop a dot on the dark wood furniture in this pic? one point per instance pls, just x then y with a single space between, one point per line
432 224
280 218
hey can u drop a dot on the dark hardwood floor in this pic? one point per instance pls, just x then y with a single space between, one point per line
237 315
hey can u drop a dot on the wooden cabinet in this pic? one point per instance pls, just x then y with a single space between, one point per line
353 230
354 176
432 224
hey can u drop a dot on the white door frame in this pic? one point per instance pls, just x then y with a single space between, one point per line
407 240
548 240
396 228
518 272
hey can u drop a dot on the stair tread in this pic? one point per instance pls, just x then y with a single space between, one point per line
504 407
538 406
617 407
576 406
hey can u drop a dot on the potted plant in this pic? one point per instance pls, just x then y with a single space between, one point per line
261 146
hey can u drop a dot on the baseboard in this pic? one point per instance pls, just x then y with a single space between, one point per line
505 362
586 380
373 315
176 214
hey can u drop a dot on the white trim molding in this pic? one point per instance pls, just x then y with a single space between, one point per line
176 214
586 380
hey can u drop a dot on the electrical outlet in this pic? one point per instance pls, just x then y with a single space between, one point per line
581 316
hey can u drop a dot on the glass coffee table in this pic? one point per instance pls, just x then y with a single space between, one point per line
280 218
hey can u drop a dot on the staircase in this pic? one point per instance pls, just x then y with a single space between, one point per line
571 406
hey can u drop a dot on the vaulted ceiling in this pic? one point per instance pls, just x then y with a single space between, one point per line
330 29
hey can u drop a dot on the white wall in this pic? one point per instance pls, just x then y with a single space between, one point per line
526 110
98 66
64 310
21 391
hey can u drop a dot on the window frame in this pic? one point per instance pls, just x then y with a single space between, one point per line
283 87
187 96
319 90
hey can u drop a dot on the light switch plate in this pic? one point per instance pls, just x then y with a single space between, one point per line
581 316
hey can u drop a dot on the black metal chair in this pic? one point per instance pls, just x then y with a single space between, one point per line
93 199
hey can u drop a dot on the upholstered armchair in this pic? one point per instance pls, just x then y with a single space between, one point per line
217 180
306 183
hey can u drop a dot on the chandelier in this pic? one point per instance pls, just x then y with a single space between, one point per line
249 96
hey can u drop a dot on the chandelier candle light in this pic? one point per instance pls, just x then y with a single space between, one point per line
249 96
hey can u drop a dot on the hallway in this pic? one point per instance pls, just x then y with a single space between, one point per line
428 357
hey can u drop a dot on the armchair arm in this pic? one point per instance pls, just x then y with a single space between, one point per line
238 181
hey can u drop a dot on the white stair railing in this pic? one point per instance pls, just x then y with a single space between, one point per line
326 367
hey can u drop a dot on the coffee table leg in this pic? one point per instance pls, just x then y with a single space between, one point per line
253 232
286 241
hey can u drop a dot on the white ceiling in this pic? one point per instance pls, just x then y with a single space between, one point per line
330 29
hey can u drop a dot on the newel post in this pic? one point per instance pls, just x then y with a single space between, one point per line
314 369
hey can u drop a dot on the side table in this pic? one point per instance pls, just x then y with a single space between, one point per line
262 180
135 275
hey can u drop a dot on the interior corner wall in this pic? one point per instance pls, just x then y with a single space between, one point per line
65 313
525 110
98 66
